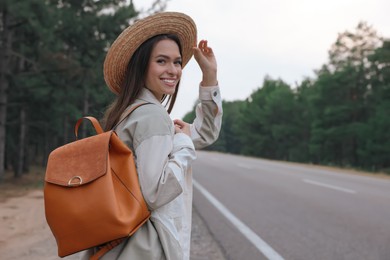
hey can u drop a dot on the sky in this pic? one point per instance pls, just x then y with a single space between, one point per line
282 39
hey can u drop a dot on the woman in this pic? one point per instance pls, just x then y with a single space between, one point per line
144 65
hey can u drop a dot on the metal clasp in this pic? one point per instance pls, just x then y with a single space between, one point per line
72 184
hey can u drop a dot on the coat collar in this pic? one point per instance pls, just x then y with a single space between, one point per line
147 96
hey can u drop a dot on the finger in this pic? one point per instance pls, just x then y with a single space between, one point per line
179 122
178 130
197 55
205 47
197 51
202 45
176 122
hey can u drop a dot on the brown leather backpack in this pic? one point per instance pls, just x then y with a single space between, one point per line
92 194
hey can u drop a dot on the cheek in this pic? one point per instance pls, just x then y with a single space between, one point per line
147 79
151 73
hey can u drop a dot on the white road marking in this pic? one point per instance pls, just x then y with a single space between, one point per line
259 243
329 186
244 166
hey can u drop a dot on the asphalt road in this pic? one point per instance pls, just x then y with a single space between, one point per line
260 209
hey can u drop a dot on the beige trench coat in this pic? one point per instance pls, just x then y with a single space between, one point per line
163 161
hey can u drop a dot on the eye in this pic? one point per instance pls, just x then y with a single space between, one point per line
160 61
179 62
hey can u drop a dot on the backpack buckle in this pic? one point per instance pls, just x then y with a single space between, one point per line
71 182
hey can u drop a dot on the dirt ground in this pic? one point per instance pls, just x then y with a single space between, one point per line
24 233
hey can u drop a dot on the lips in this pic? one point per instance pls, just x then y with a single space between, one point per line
170 82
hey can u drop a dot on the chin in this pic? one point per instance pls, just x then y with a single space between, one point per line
170 92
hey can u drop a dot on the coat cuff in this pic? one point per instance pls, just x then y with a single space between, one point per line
181 140
209 93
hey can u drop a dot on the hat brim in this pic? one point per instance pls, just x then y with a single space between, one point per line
123 48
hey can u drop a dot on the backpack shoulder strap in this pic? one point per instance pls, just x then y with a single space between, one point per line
127 113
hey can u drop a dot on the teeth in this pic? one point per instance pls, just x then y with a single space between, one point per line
169 80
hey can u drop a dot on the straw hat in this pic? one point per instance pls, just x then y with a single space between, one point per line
132 37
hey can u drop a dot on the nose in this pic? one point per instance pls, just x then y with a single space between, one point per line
173 69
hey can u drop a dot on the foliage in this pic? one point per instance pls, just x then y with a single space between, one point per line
340 117
53 56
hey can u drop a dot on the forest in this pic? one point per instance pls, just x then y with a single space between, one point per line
340 117
51 60
51 74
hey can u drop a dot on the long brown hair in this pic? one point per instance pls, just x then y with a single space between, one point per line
135 81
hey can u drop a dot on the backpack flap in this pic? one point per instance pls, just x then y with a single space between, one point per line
79 162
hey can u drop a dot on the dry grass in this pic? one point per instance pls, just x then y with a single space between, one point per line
15 187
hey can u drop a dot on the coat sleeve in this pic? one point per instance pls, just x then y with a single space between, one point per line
207 124
161 164
162 157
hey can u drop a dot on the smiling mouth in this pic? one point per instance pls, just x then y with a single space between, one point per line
169 81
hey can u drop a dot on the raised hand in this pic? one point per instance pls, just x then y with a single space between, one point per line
204 56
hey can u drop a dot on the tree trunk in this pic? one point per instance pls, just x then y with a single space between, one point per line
46 147
22 143
27 150
5 44
85 110
66 131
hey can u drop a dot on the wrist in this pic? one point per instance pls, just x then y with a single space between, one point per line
209 80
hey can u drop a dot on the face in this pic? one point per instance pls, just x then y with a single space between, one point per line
164 69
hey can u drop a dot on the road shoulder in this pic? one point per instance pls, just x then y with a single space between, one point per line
26 235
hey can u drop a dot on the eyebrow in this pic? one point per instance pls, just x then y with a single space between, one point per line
167 57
